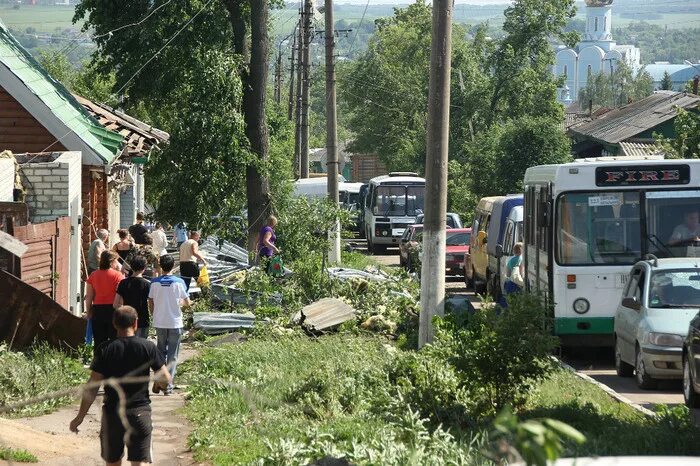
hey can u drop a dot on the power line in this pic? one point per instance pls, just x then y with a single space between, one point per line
352 44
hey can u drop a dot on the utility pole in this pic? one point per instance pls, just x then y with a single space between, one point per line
306 90
433 269
300 69
290 110
332 165
278 76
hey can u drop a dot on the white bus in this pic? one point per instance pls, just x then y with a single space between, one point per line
392 203
588 222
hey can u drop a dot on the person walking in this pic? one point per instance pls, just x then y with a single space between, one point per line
266 242
515 271
97 247
167 294
138 229
160 240
124 247
180 234
189 254
133 291
125 356
100 289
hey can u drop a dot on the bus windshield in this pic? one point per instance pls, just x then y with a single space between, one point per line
399 200
673 223
605 227
598 228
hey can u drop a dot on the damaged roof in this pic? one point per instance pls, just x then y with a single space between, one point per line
139 138
635 118
51 104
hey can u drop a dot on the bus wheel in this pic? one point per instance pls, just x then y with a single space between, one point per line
622 368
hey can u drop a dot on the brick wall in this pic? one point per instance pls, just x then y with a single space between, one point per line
7 179
46 181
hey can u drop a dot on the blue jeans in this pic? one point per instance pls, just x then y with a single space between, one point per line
169 346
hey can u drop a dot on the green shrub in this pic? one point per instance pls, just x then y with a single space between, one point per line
19 456
501 353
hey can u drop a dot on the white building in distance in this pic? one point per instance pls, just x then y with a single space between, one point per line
595 53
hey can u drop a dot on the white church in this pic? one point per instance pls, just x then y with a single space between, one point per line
595 53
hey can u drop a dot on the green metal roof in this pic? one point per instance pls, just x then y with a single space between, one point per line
106 144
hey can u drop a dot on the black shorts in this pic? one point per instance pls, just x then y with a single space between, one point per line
112 435
189 269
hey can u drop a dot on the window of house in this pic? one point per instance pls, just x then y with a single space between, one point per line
566 71
596 25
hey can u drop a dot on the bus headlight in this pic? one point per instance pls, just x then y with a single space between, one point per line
581 306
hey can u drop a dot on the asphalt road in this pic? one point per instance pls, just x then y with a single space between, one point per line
596 363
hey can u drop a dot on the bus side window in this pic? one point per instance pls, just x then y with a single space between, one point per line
531 198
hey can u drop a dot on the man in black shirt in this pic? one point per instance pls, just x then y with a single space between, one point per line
126 356
133 291
138 229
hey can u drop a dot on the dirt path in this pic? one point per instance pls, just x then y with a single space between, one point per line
49 439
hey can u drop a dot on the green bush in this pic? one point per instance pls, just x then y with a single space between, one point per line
501 353
17 456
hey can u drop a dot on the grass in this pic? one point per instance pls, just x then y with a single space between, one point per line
18 456
38 371
239 398
611 427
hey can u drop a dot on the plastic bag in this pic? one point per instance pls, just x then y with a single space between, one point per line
275 267
88 332
517 278
203 279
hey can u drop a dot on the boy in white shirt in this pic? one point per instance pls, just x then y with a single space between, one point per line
166 295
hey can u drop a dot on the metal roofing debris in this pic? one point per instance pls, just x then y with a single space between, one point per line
27 314
213 323
11 244
233 295
224 250
347 274
635 118
326 313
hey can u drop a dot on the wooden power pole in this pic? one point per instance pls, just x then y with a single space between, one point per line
300 72
433 268
278 76
290 109
306 90
332 165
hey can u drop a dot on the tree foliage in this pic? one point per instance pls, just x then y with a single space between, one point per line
617 89
666 82
686 144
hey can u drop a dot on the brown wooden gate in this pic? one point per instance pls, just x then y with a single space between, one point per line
45 265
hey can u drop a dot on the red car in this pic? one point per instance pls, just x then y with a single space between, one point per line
457 246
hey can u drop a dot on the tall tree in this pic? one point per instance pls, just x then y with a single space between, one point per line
154 61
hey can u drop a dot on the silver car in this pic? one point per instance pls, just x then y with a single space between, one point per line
660 299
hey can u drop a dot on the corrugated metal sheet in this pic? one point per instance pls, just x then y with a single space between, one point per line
632 119
326 313
213 323
639 149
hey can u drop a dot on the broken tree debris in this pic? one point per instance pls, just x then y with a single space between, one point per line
348 274
326 313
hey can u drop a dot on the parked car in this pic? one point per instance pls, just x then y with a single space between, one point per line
505 229
476 260
457 243
691 364
660 299
453 220
408 245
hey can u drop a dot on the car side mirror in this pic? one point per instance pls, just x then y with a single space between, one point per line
631 303
499 251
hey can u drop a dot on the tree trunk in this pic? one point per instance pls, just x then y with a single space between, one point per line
258 189
239 26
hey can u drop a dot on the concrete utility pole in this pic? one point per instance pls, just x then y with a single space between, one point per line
290 110
300 70
306 89
332 165
433 270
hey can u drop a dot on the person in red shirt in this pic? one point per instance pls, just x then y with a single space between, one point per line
100 288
